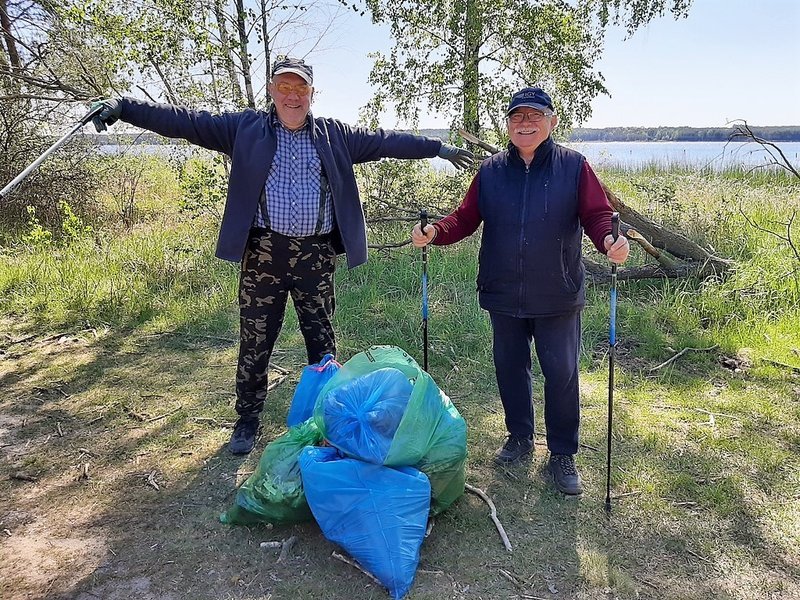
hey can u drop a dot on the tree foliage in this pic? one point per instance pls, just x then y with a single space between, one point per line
466 57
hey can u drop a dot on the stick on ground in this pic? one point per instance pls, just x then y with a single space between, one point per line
353 563
492 514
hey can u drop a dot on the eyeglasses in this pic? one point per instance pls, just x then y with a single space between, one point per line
534 117
301 89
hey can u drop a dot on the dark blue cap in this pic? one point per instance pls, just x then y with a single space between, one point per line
532 97
287 64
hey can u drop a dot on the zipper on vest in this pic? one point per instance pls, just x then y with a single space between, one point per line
521 249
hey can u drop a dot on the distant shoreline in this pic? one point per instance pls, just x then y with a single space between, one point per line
784 133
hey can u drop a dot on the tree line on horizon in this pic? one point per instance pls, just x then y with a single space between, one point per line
781 133
784 133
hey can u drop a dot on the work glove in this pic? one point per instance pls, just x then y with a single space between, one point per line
461 158
112 111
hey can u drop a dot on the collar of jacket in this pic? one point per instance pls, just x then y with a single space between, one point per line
544 149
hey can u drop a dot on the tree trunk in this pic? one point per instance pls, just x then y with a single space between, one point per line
675 243
8 38
265 34
225 41
473 27
244 56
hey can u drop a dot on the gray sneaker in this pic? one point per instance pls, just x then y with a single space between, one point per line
243 438
515 448
565 476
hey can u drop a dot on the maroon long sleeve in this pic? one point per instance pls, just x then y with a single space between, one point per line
594 213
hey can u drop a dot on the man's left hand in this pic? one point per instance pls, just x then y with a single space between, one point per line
617 252
462 159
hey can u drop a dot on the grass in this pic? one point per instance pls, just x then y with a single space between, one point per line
118 360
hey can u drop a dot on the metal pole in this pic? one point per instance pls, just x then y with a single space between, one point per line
18 179
612 346
423 223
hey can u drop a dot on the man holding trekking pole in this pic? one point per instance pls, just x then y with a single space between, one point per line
292 206
535 200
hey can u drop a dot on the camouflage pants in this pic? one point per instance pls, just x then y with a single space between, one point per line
273 267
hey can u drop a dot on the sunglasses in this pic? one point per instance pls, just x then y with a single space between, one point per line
301 89
535 117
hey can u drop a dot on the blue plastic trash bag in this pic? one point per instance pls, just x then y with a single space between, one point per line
377 514
362 416
274 492
312 379
431 436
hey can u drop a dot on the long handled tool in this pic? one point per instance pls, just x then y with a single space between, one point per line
423 223
612 347
63 140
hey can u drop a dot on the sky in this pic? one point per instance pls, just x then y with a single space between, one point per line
728 60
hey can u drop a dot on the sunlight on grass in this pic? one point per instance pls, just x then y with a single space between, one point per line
133 351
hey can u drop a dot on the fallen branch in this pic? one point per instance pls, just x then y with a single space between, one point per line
151 481
512 578
24 477
626 494
354 564
159 417
681 353
492 514
19 341
782 365
286 548
662 258
276 383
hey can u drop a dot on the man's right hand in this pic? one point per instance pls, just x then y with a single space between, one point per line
110 113
419 239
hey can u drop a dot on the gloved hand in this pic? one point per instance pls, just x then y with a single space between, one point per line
112 111
461 158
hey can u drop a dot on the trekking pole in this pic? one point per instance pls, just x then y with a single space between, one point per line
19 178
423 223
612 346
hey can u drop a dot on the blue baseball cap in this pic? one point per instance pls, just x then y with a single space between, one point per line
531 97
297 66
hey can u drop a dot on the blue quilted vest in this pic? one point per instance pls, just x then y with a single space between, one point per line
530 257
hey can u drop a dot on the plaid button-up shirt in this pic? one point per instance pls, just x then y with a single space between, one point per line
293 187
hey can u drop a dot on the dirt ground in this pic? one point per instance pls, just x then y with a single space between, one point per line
113 474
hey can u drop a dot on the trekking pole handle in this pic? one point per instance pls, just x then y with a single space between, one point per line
615 225
423 220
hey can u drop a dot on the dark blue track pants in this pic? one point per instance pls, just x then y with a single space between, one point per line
557 341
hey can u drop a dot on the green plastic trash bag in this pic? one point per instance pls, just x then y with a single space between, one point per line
274 492
431 436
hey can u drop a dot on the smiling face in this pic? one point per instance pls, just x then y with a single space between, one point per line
534 128
292 97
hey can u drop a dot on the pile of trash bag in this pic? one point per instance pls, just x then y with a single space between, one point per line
384 449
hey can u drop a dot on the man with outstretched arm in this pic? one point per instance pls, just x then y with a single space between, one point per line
535 200
292 206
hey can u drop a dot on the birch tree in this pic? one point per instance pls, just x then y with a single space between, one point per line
464 58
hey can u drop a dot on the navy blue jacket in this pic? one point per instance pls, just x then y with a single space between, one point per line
530 257
248 137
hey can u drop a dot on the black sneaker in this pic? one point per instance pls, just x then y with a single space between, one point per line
565 475
515 448
243 438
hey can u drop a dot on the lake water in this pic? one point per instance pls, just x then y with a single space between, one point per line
628 155
713 155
